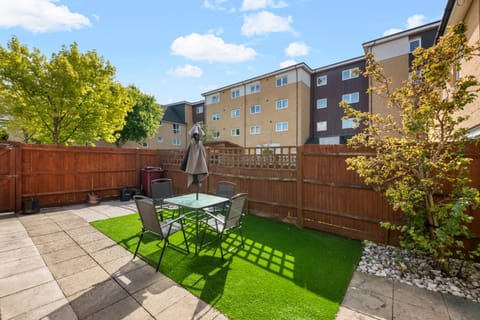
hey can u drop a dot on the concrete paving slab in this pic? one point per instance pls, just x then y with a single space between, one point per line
21 265
368 302
8 226
126 309
59 309
98 245
185 309
64 254
72 266
109 254
25 280
96 298
405 311
87 236
25 252
17 244
461 309
138 279
345 313
52 237
45 228
123 264
52 246
30 299
13 236
82 280
159 296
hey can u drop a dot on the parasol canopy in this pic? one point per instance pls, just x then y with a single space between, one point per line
194 162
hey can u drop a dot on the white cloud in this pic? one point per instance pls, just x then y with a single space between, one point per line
391 31
265 22
40 16
211 48
217 5
287 63
296 49
412 22
186 71
262 4
415 21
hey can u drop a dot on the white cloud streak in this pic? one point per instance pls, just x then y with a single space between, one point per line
297 49
262 4
412 22
210 48
287 63
265 22
40 16
186 71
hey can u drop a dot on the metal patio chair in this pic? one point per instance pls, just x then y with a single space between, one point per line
150 223
161 188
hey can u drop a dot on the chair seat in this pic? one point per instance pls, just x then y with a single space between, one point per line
216 224
174 228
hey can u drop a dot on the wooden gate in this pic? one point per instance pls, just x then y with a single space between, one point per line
8 177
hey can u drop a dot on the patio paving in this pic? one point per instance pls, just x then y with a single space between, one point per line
54 265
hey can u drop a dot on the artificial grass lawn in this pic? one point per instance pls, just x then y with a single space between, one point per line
282 273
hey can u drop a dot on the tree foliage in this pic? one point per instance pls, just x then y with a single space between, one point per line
420 162
142 121
70 98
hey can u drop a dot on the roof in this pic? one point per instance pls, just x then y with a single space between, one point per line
301 65
174 113
338 64
402 34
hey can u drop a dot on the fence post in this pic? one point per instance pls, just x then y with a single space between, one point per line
300 218
17 154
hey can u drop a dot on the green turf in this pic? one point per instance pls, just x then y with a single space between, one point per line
283 272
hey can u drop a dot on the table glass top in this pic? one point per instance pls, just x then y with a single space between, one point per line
190 200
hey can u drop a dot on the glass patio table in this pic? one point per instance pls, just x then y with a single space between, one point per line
196 202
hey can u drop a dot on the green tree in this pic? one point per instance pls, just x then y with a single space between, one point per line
142 121
69 98
420 162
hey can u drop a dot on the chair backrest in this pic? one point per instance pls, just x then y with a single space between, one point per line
225 189
162 188
148 215
235 210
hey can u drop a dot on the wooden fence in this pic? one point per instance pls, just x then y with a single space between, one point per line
308 186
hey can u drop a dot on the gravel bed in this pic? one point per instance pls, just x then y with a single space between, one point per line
413 269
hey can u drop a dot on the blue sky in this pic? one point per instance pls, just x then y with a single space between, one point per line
177 50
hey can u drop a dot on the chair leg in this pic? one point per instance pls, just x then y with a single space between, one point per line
185 237
241 237
220 235
138 245
161 254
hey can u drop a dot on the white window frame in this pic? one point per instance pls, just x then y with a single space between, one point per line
216 116
255 130
351 73
321 126
160 139
281 104
235 132
281 81
350 98
176 142
322 103
235 113
216 134
235 93
281 126
199 109
411 41
176 128
322 80
254 88
348 123
216 98
255 109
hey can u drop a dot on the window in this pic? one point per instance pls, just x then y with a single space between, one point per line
281 126
321 81
216 134
350 73
282 81
348 123
145 144
321 103
216 116
200 109
176 142
414 44
350 97
255 88
176 128
254 130
322 126
160 140
216 99
281 104
235 132
255 109
235 113
235 93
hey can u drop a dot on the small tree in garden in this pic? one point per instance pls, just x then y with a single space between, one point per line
420 162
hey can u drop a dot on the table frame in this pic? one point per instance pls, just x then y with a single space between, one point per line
196 202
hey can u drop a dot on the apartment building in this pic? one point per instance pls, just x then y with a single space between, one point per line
394 54
342 81
468 12
269 110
